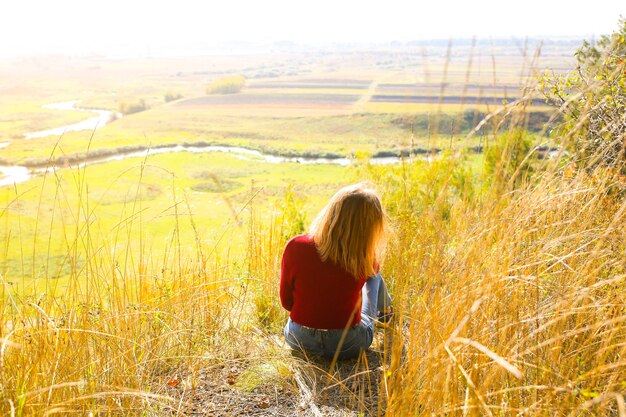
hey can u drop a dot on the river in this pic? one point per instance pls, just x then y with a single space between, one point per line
102 118
15 174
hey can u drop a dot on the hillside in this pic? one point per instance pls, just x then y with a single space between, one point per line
149 286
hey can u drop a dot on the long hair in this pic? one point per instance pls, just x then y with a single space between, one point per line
350 230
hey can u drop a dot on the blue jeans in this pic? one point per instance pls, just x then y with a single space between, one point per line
347 342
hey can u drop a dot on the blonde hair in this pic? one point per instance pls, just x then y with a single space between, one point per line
350 230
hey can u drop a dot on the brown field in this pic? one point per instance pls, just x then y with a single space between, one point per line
311 87
288 100
393 98
448 88
314 84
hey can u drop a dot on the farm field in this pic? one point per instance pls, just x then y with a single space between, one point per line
329 105
140 257
193 198
279 86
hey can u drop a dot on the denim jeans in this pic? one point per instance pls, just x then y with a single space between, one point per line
349 342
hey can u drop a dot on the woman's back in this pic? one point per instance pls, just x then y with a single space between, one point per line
318 294
330 280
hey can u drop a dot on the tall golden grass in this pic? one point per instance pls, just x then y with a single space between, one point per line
508 291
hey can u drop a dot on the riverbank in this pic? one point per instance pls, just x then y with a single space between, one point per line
103 118
17 173
212 146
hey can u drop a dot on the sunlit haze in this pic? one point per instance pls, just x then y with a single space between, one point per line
149 27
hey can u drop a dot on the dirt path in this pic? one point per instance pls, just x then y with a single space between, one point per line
287 385
359 105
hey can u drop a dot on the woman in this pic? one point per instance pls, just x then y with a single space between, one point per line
330 281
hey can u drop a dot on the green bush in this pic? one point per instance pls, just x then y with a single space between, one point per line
226 85
172 96
133 106
509 160
593 101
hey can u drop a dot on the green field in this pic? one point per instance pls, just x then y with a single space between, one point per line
148 285
279 88
165 192
320 105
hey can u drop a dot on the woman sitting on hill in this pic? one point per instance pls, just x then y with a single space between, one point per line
330 281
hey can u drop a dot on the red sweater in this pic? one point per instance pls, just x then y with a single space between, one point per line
318 294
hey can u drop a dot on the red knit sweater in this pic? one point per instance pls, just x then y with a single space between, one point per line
318 294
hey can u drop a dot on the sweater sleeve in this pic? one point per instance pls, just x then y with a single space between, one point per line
286 281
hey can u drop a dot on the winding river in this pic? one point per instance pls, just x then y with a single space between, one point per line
15 174
102 118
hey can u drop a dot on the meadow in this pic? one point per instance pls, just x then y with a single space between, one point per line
311 105
148 285
290 100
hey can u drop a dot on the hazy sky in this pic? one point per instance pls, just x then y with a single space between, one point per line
83 26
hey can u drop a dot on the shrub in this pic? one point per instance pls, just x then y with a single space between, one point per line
509 160
172 96
133 106
226 85
593 101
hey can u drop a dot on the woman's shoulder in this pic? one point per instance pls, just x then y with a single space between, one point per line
301 240
298 246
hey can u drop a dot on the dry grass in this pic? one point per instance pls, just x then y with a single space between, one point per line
509 292
515 308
